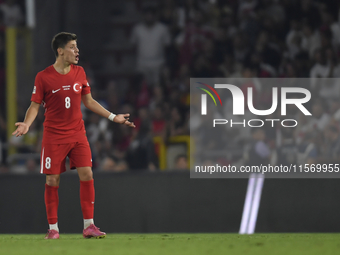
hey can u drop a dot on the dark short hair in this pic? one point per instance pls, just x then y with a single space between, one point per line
60 40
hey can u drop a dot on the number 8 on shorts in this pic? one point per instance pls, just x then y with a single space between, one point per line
48 163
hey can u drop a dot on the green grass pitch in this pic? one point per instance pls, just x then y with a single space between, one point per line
193 244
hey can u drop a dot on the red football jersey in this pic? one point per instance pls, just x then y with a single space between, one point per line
61 97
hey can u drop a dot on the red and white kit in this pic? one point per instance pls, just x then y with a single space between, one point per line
64 130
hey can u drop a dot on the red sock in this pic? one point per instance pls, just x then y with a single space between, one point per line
87 198
51 203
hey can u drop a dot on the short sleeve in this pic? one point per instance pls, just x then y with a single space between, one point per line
38 90
86 86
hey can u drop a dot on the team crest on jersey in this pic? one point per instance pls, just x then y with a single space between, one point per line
77 87
34 89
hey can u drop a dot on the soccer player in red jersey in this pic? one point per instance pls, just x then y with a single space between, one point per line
61 88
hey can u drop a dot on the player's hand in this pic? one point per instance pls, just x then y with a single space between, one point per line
124 119
22 128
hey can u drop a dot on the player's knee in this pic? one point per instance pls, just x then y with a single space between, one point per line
88 176
52 180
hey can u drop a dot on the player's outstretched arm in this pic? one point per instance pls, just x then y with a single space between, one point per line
31 114
94 106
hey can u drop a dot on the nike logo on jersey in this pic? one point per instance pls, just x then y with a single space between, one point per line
54 91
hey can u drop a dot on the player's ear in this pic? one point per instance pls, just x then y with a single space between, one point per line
60 51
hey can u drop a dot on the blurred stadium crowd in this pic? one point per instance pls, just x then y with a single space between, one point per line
176 40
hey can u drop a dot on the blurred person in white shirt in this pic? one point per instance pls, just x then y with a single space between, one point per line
311 39
150 38
326 66
12 13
